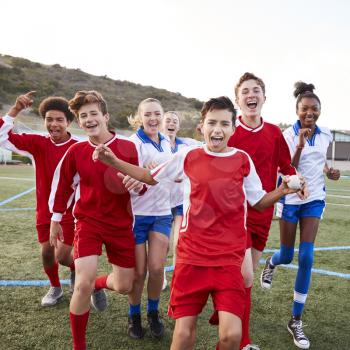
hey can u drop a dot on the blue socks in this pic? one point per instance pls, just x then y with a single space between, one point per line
152 305
302 282
134 309
283 256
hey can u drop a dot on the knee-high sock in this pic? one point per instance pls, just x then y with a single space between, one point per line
245 340
52 274
101 282
78 325
302 282
283 256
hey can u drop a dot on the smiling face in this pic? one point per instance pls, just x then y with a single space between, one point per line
151 116
250 98
308 111
93 122
56 124
217 128
170 124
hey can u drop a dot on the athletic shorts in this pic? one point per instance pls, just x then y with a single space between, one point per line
258 228
43 231
191 286
292 213
119 243
178 210
144 224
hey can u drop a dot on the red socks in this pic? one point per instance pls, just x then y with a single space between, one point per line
52 274
101 282
78 325
246 317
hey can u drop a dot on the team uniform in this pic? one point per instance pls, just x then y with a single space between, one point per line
311 164
102 204
176 195
153 210
212 240
46 155
270 154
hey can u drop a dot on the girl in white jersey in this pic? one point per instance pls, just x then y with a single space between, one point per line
170 127
152 220
308 144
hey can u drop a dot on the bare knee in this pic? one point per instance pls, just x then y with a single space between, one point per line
185 336
48 255
156 271
123 287
84 287
230 338
64 258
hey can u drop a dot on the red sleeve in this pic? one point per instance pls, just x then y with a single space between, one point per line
64 183
284 162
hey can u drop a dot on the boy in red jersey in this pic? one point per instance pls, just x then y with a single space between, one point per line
268 149
218 180
46 152
102 211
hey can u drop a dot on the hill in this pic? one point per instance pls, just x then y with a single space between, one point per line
19 75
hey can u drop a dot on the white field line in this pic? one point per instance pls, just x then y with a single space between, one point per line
337 196
17 178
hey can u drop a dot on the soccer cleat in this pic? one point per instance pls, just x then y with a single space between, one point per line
155 324
295 328
135 329
72 281
267 274
251 347
165 282
99 300
52 296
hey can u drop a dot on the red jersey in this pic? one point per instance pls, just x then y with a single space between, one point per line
216 189
270 154
100 195
46 155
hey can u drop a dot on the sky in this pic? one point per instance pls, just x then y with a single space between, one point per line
198 48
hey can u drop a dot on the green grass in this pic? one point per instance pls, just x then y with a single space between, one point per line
25 325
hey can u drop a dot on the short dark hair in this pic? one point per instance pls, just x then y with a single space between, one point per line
304 90
83 97
55 103
249 76
219 103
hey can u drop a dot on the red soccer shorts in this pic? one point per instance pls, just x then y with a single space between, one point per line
258 228
67 228
191 286
119 243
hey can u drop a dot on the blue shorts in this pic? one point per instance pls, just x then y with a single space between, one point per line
292 213
144 224
178 210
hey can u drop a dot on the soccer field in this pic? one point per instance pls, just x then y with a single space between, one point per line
26 325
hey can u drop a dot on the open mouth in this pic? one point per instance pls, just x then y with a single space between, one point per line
171 130
252 104
91 126
216 140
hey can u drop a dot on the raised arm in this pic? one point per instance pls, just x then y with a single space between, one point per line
22 102
105 155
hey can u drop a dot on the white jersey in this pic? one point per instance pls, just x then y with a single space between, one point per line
177 188
312 161
156 201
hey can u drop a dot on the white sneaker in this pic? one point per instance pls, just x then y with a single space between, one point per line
251 347
165 282
295 328
52 296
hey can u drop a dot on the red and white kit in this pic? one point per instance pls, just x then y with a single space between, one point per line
46 155
102 203
213 234
270 154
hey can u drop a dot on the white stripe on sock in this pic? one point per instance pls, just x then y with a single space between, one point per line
299 297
